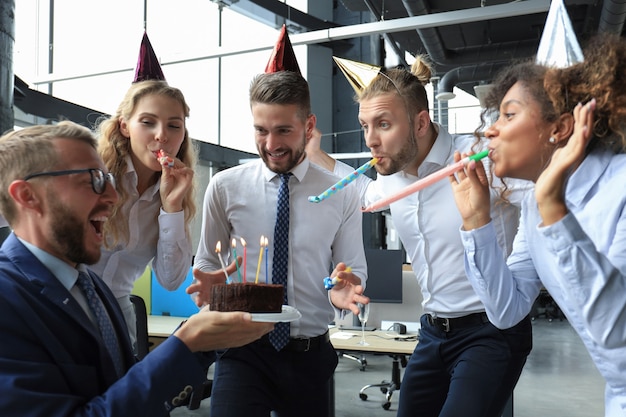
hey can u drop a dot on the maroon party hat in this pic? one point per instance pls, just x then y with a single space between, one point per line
283 58
148 66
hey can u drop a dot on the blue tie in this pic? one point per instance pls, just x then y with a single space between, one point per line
280 335
105 326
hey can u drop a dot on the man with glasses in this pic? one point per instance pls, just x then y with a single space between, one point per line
65 349
98 178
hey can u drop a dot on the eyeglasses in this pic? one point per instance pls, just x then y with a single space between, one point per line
98 178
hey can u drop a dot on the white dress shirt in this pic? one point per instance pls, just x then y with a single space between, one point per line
427 223
241 202
580 260
153 235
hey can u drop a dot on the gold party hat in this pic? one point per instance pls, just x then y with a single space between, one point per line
358 74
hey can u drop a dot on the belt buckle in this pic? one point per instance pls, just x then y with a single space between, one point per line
445 322
303 341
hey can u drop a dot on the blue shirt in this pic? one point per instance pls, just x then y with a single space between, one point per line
580 260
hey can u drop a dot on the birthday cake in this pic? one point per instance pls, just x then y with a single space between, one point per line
250 297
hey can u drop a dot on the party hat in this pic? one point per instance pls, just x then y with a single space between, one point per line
558 46
283 58
148 67
358 74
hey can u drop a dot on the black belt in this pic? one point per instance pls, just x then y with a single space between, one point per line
302 344
457 323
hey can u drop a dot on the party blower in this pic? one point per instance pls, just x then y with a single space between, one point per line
425 182
343 182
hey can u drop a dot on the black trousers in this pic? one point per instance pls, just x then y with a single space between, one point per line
469 371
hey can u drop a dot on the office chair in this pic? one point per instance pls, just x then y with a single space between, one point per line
360 360
143 341
388 387
545 306
143 347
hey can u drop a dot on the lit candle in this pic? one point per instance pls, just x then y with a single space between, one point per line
218 250
258 266
265 243
344 181
245 256
233 244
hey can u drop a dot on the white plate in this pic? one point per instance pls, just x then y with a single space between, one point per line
288 314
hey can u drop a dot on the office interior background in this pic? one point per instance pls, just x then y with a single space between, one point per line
74 59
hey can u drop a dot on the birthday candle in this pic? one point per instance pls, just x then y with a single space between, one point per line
343 182
233 244
245 255
425 182
218 250
258 266
265 243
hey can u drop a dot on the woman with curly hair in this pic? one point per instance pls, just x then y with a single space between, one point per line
146 146
572 234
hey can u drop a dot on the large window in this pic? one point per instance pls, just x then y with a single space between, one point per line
91 52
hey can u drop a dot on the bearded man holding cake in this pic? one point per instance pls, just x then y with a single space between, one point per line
287 371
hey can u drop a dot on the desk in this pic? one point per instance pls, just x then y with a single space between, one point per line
163 326
380 342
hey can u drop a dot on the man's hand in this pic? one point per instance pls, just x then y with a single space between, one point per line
211 330
348 291
203 281
316 154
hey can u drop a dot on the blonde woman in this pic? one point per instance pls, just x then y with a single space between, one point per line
150 222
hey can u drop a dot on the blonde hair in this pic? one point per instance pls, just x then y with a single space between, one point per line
409 85
31 150
115 148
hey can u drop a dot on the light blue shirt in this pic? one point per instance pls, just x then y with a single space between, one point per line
427 223
66 275
580 260
240 202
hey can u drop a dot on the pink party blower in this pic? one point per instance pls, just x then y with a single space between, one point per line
424 182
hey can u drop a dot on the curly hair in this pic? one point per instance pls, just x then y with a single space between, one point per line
602 75
114 149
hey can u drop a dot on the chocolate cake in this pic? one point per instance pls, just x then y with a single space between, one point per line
250 297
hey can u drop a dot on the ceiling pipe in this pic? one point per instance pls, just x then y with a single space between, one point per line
460 75
436 50
613 16
612 20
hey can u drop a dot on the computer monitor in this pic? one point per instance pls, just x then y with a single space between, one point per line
384 275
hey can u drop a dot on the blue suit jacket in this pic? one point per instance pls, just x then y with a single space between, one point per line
54 363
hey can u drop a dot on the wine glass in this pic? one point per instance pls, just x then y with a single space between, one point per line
364 311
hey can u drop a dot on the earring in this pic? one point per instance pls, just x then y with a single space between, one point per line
552 140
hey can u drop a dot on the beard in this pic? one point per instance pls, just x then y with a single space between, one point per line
399 160
68 232
295 156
